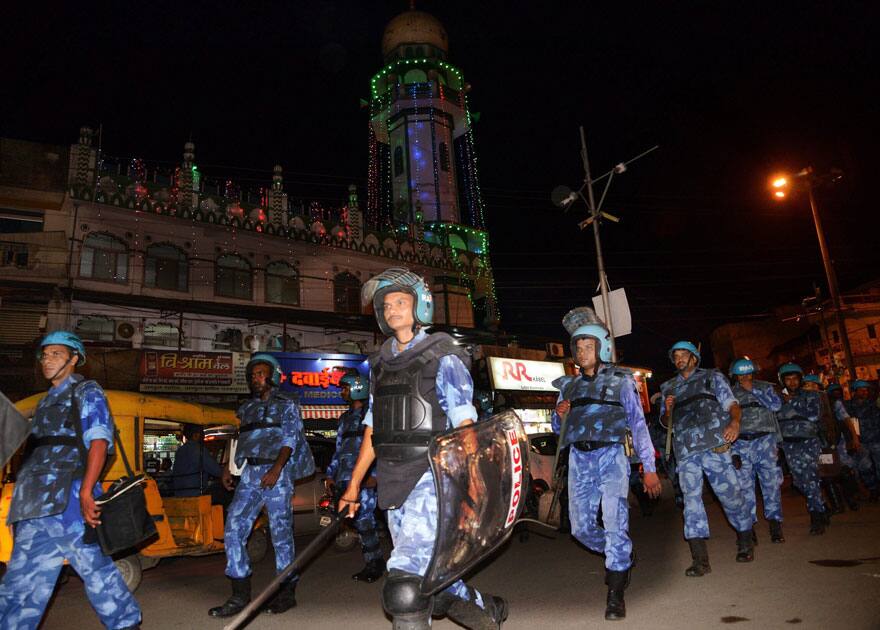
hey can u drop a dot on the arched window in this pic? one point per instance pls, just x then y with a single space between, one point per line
444 156
398 161
104 257
282 284
166 267
232 277
346 293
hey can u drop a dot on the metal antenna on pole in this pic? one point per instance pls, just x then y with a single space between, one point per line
563 197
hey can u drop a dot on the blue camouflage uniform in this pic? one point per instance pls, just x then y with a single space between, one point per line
349 436
603 408
700 415
413 525
869 431
859 461
47 519
799 422
756 447
266 427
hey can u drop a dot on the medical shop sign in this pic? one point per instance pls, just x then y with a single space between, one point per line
193 372
315 378
522 375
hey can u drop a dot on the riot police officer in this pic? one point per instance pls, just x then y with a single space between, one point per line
855 462
420 388
349 435
862 407
54 497
799 419
705 422
602 416
274 452
755 449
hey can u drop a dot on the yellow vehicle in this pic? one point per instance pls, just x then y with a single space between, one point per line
187 526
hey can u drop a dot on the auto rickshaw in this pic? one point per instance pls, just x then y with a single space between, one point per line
186 526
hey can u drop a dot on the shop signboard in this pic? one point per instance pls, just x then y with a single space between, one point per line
315 377
193 372
522 375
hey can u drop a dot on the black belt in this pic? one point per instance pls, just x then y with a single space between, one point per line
796 440
259 461
751 436
589 445
352 434
253 426
751 405
687 401
56 440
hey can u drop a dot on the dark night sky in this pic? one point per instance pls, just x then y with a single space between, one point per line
730 91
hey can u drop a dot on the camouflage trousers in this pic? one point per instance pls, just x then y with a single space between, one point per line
413 528
41 546
718 469
365 521
759 457
249 499
861 462
803 462
594 478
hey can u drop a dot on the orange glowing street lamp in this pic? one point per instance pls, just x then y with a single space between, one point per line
781 185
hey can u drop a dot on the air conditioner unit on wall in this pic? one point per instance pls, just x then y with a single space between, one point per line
556 350
125 330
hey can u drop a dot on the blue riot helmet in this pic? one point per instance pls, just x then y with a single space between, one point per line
398 279
833 388
788 368
268 359
859 384
741 367
358 386
64 338
813 378
582 323
684 345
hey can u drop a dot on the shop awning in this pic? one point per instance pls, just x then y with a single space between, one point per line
322 412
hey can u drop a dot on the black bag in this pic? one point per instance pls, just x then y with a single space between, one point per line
125 521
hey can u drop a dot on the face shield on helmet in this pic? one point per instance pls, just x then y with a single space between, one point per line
358 386
583 323
267 359
394 280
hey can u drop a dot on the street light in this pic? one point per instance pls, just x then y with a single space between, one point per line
807 179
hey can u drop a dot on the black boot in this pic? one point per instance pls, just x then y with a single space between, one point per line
776 532
371 572
241 597
471 616
617 581
834 496
284 600
817 523
745 551
700 554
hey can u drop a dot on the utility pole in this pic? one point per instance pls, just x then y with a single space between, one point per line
831 276
563 197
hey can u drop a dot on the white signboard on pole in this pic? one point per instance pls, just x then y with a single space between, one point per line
621 319
522 375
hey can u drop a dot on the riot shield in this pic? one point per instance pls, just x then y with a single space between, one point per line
14 429
479 495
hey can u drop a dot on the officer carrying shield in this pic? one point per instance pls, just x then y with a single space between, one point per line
274 452
54 497
700 402
601 411
799 422
863 408
349 435
755 449
421 388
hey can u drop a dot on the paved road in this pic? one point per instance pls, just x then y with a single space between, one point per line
830 581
